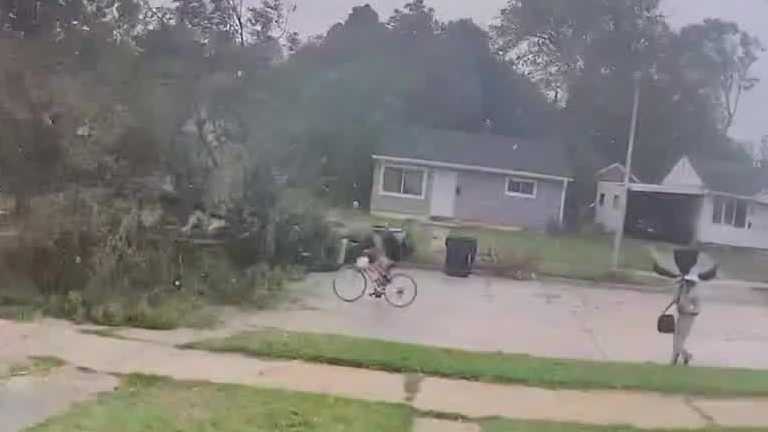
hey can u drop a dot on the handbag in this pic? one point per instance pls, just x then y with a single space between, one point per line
666 322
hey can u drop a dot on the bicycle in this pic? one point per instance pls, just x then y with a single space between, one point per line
351 283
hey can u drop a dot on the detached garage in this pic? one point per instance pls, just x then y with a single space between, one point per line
699 201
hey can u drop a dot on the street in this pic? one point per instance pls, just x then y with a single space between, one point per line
544 318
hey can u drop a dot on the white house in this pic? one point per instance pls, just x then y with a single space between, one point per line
699 201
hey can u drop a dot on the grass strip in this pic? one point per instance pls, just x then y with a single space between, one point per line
148 403
36 365
490 367
144 403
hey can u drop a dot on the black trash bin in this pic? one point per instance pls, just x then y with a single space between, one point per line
394 241
460 255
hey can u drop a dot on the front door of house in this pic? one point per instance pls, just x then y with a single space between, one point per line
443 201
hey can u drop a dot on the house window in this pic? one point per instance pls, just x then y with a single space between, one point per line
616 202
521 187
730 211
740 219
602 199
403 181
717 210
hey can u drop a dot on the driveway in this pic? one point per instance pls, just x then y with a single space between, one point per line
544 318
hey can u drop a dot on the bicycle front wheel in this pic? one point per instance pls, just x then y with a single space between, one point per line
401 291
349 284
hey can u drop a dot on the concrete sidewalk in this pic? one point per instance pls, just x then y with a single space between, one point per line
471 399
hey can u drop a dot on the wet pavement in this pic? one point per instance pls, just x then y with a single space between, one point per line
546 318
28 400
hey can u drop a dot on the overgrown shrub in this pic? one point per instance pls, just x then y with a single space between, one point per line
116 272
295 273
161 311
306 239
521 266
57 266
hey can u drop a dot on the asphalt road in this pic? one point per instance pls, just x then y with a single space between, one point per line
546 318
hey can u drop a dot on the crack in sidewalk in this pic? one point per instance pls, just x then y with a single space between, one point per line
690 403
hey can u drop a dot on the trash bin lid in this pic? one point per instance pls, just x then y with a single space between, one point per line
469 241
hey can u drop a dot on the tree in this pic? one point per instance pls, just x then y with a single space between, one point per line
555 41
585 55
466 87
267 23
414 21
719 55
413 70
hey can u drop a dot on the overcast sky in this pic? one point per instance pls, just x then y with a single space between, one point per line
316 16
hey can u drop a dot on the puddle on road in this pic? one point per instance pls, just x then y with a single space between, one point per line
549 298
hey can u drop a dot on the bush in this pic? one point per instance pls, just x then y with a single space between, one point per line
169 311
517 266
304 233
295 273
158 311
74 306
59 266
118 275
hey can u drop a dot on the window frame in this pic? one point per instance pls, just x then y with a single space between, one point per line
423 171
601 199
722 203
534 182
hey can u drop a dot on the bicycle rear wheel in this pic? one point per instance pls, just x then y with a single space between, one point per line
401 291
349 284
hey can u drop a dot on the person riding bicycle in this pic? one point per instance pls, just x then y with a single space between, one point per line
377 257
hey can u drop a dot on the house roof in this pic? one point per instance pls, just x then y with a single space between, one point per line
614 173
477 151
744 179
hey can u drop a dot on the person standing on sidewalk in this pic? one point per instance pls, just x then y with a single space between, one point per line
688 308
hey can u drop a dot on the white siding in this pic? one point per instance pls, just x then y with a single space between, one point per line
683 174
606 215
754 237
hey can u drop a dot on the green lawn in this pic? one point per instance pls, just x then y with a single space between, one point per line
502 425
740 263
491 367
577 256
145 404
572 255
154 404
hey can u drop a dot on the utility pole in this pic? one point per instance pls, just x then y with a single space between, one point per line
619 234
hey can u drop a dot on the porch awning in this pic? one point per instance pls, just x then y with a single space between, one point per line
682 190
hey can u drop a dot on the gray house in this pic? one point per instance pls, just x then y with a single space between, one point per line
477 178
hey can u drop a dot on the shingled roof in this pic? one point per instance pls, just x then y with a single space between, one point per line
480 150
745 179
